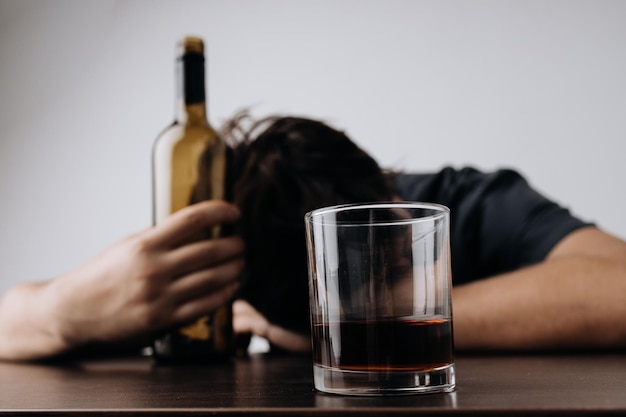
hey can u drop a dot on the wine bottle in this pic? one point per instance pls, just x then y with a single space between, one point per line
189 166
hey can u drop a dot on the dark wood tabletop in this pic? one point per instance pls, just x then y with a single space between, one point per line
572 385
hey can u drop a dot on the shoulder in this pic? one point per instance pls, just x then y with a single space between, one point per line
452 184
498 221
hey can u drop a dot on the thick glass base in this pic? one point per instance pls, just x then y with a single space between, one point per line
337 381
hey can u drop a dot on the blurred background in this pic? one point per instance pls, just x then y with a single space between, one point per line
85 87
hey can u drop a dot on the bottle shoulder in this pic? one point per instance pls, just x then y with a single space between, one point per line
180 133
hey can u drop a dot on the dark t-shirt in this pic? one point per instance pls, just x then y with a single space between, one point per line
497 222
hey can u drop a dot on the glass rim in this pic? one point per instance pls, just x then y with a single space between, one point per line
315 216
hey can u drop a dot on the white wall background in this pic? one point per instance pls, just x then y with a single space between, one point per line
85 86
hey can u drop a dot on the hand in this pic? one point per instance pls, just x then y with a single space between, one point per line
151 280
246 319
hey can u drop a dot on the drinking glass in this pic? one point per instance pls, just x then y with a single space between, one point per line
380 297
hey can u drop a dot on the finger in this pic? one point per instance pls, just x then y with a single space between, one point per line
206 304
206 281
241 306
192 219
246 319
202 254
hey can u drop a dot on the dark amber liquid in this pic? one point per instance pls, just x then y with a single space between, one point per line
387 345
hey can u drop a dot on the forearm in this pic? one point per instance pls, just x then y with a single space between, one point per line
568 302
28 330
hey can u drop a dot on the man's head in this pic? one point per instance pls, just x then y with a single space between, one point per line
283 167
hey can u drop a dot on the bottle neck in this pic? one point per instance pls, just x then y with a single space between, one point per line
191 96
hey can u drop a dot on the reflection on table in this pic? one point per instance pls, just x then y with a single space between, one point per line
593 384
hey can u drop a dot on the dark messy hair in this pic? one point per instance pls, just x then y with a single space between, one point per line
283 167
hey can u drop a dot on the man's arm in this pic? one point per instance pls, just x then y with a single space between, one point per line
573 299
144 283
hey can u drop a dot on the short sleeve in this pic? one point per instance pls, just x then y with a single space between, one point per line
498 223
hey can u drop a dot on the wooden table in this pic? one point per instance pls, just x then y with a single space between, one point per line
572 385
